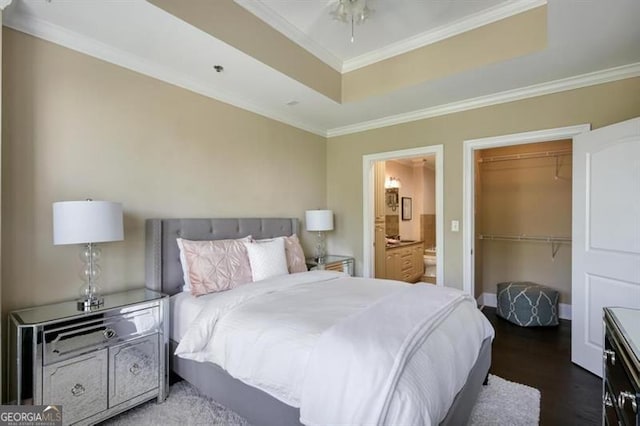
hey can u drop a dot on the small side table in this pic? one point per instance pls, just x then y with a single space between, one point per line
94 363
333 263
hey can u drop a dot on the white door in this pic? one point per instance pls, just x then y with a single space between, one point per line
606 233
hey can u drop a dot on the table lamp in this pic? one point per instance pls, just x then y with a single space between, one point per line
87 223
319 221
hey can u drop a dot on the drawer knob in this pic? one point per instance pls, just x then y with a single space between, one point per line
109 333
608 402
609 354
77 390
622 400
135 369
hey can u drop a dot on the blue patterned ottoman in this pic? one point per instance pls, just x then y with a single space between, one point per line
527 304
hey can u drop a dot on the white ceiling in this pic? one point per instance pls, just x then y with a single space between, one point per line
584 37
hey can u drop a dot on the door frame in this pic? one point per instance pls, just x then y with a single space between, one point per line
468 191
368 213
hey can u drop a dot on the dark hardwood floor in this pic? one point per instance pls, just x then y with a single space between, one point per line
541 357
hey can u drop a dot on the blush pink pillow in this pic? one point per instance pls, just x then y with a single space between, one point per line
295 256
213 266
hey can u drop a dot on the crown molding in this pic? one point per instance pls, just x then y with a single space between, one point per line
74 41
290 31
570 83
485 17
4 3
471 22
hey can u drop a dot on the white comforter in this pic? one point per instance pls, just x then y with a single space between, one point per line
266 333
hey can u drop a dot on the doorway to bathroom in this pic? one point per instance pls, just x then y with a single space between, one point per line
403 215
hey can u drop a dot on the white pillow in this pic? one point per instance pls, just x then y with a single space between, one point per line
267 259
293 250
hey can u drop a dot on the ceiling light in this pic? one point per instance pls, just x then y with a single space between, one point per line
353 11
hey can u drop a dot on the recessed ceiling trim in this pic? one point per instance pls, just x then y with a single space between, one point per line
488 16
570 83
74 41
468 23
265 13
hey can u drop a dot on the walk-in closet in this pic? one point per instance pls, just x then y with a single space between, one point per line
523 218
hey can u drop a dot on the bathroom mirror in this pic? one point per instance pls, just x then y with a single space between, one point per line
391 196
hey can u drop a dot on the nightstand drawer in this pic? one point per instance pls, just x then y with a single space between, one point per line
332 263
95 331
338 266
78 384
133 369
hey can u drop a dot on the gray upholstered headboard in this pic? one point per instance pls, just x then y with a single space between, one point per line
162 264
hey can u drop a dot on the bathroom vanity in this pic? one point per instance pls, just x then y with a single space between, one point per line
404 261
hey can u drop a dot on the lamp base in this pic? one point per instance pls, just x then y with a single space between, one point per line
89 303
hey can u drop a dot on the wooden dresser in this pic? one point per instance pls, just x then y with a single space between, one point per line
621 372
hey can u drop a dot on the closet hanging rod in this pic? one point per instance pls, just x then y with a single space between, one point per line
537 238
527 155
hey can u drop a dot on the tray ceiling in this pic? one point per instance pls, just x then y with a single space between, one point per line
589 42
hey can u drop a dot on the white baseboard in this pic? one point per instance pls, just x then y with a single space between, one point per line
490 300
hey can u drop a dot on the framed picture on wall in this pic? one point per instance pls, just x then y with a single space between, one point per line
406 208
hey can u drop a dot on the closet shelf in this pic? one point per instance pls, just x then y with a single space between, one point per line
555 242
527 155
537 238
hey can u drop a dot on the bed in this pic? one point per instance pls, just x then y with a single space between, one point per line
164 273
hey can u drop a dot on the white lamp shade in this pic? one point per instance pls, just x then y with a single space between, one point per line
319 220
80 222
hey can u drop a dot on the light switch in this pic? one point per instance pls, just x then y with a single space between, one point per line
455 226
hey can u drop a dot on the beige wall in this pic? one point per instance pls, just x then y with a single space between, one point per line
599 105
75 127
523 197
429 197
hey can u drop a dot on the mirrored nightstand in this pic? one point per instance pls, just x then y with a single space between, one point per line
333 263
95 364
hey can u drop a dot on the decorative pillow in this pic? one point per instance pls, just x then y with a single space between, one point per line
212 266
295 256
267 259
293 250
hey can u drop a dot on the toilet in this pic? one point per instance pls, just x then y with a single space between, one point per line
430 261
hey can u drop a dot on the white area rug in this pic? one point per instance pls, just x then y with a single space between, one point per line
506 403
500 403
